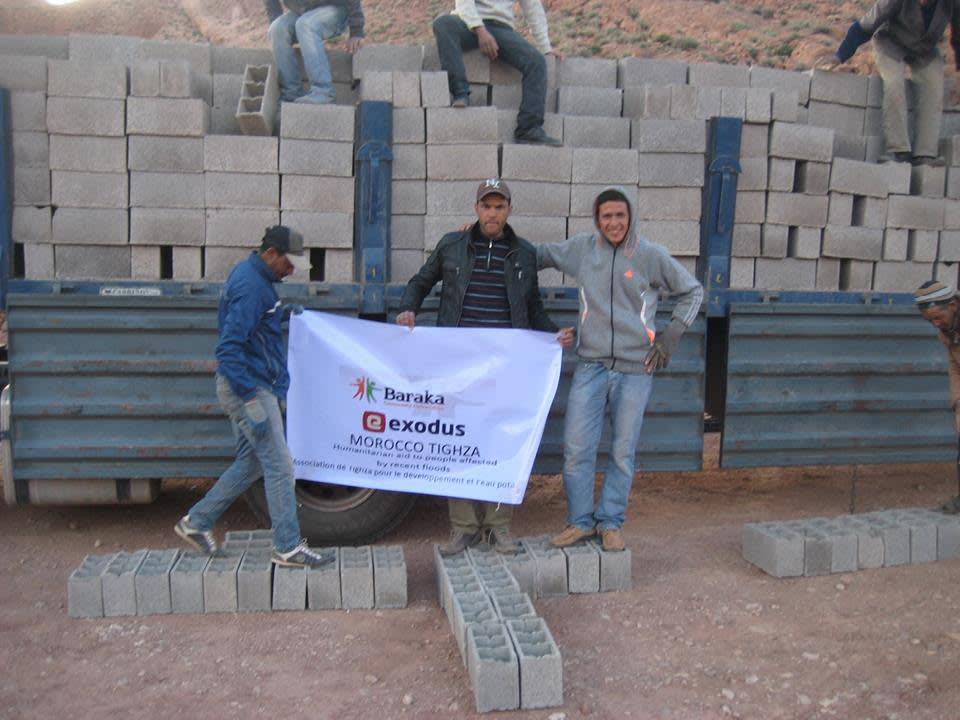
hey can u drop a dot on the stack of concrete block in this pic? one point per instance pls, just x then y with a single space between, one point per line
409 174
240 578
820 546
317 196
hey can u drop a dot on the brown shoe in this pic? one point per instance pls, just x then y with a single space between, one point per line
613 540
458 542
571 536
502 541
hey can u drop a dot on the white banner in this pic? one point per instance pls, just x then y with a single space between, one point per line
457 412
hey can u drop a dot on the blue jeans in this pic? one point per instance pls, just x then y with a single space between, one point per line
261 451
453 37
310 30
594 388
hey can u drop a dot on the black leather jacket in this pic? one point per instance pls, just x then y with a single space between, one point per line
452 263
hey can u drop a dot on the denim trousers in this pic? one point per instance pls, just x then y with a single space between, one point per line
453 37
311 30
261 451
593 390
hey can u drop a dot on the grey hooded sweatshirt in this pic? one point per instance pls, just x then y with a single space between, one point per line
620 287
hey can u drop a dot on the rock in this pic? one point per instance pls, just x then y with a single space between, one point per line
408 699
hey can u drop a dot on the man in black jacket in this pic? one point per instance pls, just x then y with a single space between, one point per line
489 280
310 23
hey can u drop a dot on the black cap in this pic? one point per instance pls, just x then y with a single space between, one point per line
289 242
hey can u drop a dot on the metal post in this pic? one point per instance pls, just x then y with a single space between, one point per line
6 193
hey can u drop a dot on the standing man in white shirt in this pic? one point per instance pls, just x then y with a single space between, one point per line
488 25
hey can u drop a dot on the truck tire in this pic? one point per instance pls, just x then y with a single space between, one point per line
339 515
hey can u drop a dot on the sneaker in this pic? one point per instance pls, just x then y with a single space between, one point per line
301 556
460 102
502 541
918 160
315 98
536 136
571 536
952 507
889 157
612 540
458 542
202 540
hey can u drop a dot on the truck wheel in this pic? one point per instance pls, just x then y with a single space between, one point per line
339 515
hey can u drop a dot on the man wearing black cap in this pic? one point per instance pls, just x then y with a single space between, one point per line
252 379
939 305
489 280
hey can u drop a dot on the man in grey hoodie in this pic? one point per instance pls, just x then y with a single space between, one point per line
621 277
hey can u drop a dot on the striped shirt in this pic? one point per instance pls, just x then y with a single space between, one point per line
485 303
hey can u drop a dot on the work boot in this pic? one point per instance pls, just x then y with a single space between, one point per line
500 539
952 507
613 540
889 157
458 542
536 136
201 540
461 102
302 556
571 536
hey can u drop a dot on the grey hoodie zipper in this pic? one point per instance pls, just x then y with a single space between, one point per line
613 261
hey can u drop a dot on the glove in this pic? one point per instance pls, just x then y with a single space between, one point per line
664 347
256 415
291 309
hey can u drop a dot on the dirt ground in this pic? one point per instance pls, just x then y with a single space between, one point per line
701 635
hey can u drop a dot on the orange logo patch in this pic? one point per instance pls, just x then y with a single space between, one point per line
629 273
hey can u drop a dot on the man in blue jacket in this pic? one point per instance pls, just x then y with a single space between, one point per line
252 381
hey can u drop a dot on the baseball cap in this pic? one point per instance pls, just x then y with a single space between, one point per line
289 242
493 186
932 292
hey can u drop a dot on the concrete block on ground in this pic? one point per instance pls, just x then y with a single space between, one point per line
551 566
241 190
669 136
84 587
468 608
72 78
117 581
446 126
711 74
323 584
596 132
804 242
87 153
356 577
167 190
785 274
175 117
923 536
583 568
666 204
774 548
818 549
167 226
797 209
928 181
900 276
94 226
633 71
89 190
85 116
745 240
780 173
742 272
165 154
28 111
948 537
842 119
462 162
31 149
524 570
493 667
754 140
592 101
598 166
918 213
860 178
869 542
389 577
532 162
409 125
856 275
751 207
240 153
615 568
152 582
801 142
859 243
24 72
316 157
513 605
238 228
220 582
31 225
320 194
839 87
289 588
541 667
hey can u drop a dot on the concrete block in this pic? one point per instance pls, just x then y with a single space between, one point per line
167 190
238 228
91 190
948 538
801 142
900 276
582 197
812 178
31 149
258 109
842 119
583 569
85 116
818 549
87 154
851 148
859 243
780 173
733 102
589 72
860 178
404 264
219 261
409 125
241 190
669 136
456 197
949 244
406 234
551 566
93 226
446 126
601 166
783 80
314 157
785 105
513 605
797 209
389 577
197 55
477 65
919 213
774 548
539 228
952 189
803 243
177 117
356 577
667 204
434 89
754 140
187 263
167 226
323 584
634 101
49 46
227 90
84 588
436 225
493 666
462 162
928 181
531 198
753 172
524 570
541 668
856 275
177 79
338 266
377 86
289 588
708 103
117 582
786 274
774 240
711 74
900 176
406 90
895 243
409 162
839 87
145 78
469 608
532 162
220 582
656 103
596 132
922 245
240 153
390 58
38 262
746 240
31 225
751 207
23 72
828 274
591 101
504 97
742 272
680 237
923 537
320 194
152 582
615 568
28 111
637 72
759 104
951 215
145 262
165 154
72 78
684 102
103 48
870 212
840 211
845 550
409 197
321 230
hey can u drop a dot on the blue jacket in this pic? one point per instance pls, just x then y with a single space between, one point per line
251 351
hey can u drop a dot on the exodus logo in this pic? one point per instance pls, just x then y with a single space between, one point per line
378 422
367 389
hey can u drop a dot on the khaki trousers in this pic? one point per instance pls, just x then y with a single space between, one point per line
469 516
928 81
